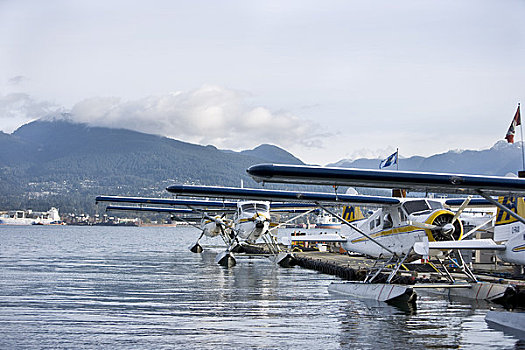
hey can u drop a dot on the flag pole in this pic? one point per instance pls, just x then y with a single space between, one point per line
397 157
521 128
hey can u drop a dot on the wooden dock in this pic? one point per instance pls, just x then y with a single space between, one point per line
505 291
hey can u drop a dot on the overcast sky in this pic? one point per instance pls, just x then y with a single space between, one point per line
324 79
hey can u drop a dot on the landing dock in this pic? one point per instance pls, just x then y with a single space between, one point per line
353 268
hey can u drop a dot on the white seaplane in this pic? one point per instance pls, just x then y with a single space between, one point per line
423 226
250 221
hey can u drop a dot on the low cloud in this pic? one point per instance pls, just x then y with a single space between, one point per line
19 79
370 153
18 109
208 115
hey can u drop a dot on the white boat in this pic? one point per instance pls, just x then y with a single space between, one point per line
29 217
326 221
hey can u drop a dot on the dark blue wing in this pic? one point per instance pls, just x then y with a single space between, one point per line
166 201
150 209
277 195
415 181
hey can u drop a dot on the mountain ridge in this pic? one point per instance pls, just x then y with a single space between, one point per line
499 160
64 164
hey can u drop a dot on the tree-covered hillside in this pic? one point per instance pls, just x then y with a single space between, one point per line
63 164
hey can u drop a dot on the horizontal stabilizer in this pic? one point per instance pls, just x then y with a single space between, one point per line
422 248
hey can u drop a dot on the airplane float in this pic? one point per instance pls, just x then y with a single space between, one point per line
415 225
251 221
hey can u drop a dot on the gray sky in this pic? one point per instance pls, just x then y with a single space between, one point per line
324 79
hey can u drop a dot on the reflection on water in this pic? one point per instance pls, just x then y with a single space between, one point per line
95 287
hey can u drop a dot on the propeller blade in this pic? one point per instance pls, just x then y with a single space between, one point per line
461 208
424 225
475 229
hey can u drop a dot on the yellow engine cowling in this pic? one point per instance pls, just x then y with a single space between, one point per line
441 218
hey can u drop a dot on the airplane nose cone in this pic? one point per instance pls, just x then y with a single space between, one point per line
448 229
259 224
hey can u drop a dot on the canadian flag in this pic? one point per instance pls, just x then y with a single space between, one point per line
512 128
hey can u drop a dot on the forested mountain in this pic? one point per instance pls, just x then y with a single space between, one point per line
66 165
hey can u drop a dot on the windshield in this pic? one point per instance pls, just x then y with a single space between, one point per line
254 207
261 207
435 205
416 206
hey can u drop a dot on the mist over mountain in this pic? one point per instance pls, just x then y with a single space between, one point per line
64 164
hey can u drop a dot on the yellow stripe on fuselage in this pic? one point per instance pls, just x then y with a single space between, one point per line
520 248
385 233
408 229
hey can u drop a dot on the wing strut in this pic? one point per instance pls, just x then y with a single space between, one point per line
354 227
292 219
501 206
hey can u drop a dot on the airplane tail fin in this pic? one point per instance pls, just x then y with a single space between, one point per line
351 214
507 226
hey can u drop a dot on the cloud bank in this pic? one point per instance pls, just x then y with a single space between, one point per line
208 115
19 108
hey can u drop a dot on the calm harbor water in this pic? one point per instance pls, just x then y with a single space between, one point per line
128 287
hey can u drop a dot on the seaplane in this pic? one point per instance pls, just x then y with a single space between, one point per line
387 234
403 228
238 223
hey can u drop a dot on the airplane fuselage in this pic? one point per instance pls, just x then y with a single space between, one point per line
252 219
394 228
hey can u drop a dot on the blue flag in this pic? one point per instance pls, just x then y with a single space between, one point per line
391 160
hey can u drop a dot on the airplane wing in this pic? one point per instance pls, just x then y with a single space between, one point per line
273 195
150 209
415 181
213 205
329 237
474 202
291 207
207 205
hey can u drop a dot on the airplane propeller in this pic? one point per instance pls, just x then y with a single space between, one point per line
461 208
443 224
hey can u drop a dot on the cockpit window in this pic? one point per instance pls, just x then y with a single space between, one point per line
416 206
435 205
248 207
254 207
261 207
387 221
